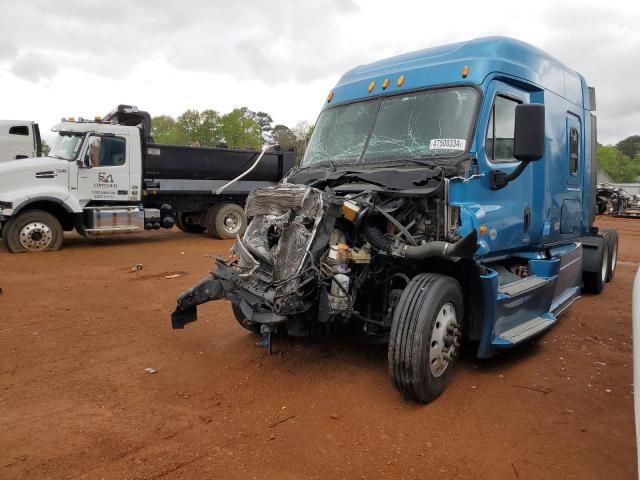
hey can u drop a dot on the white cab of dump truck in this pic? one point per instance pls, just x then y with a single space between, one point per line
92 162
18 140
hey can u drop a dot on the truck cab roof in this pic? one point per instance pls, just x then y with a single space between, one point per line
444 65
83 127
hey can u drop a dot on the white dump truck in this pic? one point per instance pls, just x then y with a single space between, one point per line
107 176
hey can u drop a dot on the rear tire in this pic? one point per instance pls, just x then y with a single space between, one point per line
425 336
242 320
226 220
32 231
187 227
593 282
611 235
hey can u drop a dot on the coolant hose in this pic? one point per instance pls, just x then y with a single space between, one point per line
463 248
431 249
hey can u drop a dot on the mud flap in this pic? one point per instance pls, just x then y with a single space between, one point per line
207 289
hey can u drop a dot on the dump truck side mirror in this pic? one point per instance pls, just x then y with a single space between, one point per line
528 138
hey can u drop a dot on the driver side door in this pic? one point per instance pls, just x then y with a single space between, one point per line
104 174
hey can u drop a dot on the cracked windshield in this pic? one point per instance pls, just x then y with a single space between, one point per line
428 124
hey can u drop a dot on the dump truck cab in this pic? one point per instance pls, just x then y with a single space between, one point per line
445 194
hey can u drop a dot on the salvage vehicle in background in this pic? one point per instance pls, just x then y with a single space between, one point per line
445 195
19 139
107 176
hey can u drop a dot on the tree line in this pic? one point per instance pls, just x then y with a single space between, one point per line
622 160
240 128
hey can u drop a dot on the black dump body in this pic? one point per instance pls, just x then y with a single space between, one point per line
203 163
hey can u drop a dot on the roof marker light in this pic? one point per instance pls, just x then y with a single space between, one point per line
371 85
400 80
330 96
465 71
385 84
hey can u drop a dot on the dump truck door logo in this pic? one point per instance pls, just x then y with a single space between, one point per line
105 177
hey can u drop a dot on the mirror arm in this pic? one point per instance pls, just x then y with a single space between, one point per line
499 179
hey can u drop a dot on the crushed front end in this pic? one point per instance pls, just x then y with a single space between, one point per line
340 255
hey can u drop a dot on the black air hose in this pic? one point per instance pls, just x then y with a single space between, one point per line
463 248
377 239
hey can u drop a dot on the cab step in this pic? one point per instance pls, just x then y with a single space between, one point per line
524 331
521 286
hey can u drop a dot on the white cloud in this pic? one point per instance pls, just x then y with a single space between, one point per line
82 58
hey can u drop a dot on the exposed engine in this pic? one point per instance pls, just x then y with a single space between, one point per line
308 254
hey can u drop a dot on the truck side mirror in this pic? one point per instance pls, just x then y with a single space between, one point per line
528 139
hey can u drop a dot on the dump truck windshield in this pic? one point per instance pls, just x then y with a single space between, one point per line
428 124
67 145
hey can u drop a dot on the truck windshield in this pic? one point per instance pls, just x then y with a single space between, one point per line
427 124
66 145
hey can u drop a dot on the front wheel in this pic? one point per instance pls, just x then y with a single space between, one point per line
242 320
32 231
425 336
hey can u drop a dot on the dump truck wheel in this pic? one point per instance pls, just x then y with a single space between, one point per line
425 336
242 320
33 231
611 235
593 282
187 227
226 220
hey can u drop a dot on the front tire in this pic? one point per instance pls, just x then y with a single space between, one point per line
425 336
32 231
242 320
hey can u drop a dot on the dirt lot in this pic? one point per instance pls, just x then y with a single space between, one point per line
78 330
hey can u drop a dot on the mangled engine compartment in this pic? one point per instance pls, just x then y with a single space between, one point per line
311 257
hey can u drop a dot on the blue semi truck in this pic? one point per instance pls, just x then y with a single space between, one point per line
446 198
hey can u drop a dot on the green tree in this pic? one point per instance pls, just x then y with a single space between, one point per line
188 127
619 166
240 130
283 136
163 130
210 131
630 146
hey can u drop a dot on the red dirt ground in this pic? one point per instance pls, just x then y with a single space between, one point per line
78 330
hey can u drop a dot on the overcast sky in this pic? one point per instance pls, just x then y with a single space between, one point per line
82 58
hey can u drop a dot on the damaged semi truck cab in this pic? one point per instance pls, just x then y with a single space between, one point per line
446 195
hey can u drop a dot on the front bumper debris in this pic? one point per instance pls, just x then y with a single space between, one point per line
207 289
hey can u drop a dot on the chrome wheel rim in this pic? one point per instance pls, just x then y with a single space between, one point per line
445 340
36 236
231 222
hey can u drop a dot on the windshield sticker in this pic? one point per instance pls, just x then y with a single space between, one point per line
448 144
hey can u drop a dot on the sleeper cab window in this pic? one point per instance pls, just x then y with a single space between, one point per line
502 120
574 147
